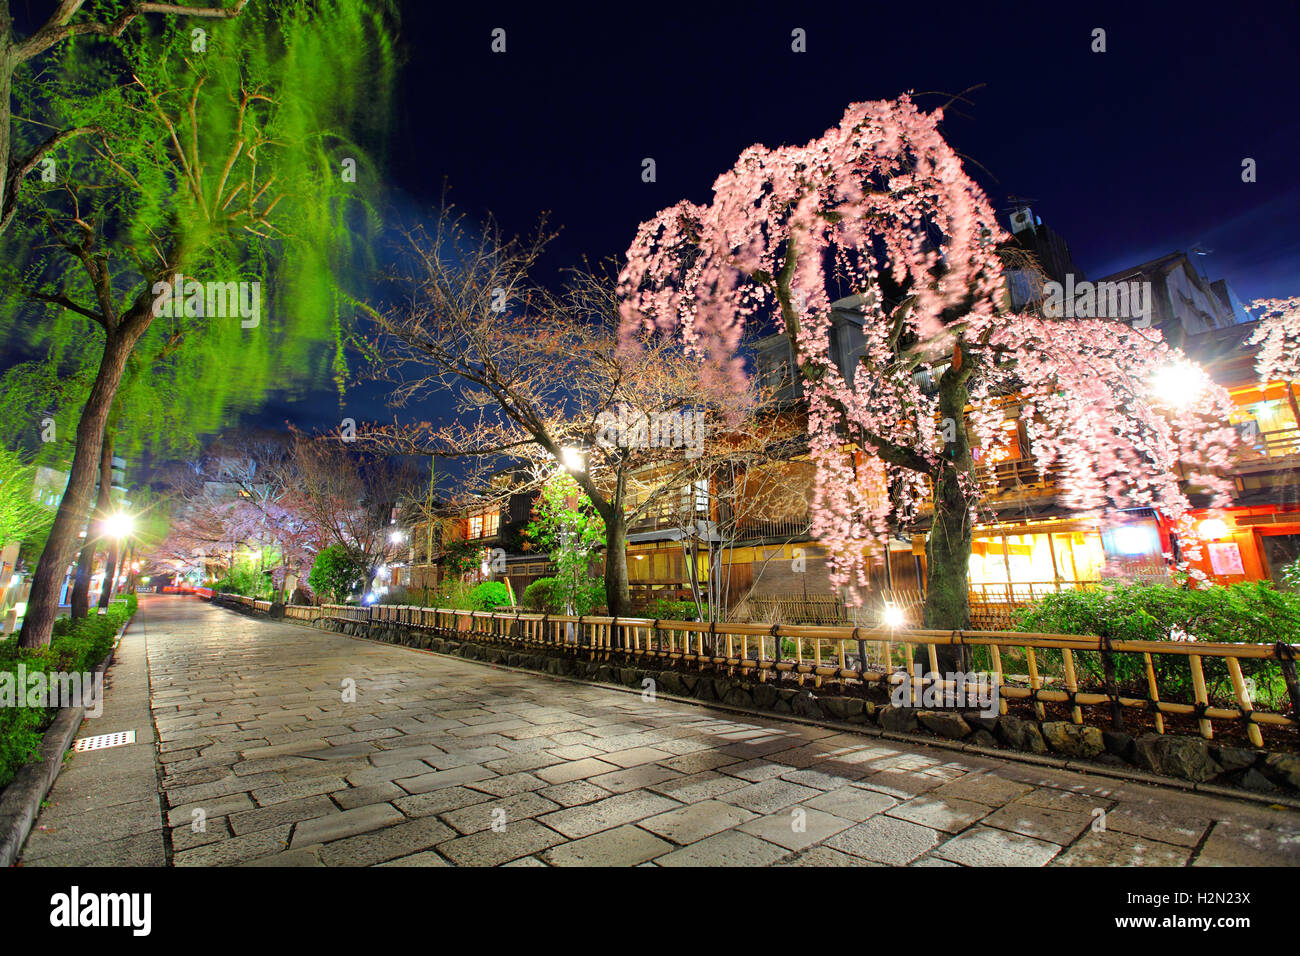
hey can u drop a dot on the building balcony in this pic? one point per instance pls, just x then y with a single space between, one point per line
1277 450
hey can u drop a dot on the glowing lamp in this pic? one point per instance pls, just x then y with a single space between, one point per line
893 616
119 525
1132 539
572 459
1212 529
1178 383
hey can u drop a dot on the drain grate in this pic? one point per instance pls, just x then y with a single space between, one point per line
104 740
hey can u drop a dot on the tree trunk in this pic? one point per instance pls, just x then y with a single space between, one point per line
947 593
42 604
617 596
80 600
110 573
7 66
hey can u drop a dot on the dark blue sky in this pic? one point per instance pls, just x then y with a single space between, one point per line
1129 154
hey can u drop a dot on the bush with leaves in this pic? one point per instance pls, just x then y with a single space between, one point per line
245 578
1291 575
335 572
76 647
553 595
488 595
663 609
1250 612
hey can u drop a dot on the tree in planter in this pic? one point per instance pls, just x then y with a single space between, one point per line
880 208
566 525
197 165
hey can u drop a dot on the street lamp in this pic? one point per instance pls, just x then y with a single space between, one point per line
119 525
1178 383
573 459
893 616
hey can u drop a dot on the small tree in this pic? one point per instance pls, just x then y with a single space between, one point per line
336 572
539 380
567 526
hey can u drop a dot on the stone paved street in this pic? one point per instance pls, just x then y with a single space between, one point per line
441 761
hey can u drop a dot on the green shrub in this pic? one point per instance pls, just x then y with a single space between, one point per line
1250 612
335 572
543 595
75 647
244 578
455 594
488 595
663 609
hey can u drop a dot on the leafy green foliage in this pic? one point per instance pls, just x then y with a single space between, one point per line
663 609
228 162
488 595
1291 575
567 526
77 647
335 572
21 517
553 595
245 578
1250 612
459 558
543 595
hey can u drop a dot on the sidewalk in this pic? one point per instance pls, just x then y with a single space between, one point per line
104 809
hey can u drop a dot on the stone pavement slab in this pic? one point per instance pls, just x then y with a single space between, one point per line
433 761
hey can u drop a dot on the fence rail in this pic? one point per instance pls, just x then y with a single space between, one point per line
1053 663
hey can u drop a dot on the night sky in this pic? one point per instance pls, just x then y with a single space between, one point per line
1129 154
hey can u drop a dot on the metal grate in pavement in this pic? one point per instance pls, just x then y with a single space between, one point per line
104 740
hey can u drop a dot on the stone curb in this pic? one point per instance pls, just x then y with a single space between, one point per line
1133 775
21 804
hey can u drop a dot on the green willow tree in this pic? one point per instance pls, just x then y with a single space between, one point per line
21 517
227 172
22 57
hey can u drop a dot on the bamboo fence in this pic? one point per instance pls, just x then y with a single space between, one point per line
881 656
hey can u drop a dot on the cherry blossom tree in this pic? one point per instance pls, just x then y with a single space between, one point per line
879 207
1278 336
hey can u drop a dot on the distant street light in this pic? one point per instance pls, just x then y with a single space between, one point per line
397 537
